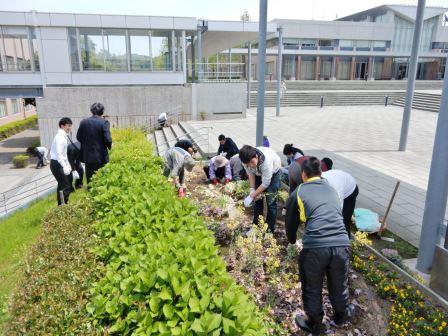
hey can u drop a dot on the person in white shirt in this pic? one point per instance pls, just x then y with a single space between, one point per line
347 189
42 156
162 119
262 165
59 165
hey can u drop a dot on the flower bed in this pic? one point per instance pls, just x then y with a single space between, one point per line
17 126
411 313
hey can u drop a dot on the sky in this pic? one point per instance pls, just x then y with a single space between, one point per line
210 9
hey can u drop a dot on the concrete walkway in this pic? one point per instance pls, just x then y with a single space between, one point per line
361 140
17 186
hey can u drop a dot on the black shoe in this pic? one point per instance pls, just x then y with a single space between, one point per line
341 317
310 325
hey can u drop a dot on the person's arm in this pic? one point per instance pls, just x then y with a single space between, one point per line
266 176
106 135
292 217
79 133
211 170
228 172
60 148
220 149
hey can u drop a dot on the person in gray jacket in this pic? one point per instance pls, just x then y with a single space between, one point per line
326 247
177 160
262 165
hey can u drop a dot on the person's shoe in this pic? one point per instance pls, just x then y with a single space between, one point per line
181 192
310 325
341 317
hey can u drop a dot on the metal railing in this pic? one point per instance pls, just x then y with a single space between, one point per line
220 72
23 194
197 140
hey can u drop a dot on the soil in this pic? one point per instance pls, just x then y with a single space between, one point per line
283 301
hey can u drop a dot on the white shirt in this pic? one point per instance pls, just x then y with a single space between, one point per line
342 182
42 150
58 149
162 116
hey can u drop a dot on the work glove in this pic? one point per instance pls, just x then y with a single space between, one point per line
67 170
177 185
75 175
227 180
181 192
215 181
248 201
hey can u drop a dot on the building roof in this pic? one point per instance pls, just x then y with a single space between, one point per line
405 11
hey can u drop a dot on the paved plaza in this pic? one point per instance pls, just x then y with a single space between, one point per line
361 140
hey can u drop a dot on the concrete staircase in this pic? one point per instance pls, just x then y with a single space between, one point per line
166 138
422 101
312 98
328 85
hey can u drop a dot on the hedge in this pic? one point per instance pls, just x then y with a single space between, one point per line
17 126
163 273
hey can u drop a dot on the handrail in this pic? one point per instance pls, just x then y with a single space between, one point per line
27 183
193 139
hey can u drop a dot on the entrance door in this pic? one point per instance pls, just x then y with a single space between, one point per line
401 71
361 70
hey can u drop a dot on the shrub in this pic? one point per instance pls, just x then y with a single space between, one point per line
163 273
21 161
51 297
17 126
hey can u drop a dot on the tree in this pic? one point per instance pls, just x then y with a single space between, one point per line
245 16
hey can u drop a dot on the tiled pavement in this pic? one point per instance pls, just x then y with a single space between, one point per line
361 140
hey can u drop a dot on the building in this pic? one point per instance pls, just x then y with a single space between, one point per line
140 66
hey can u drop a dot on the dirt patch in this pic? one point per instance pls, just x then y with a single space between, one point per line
267 267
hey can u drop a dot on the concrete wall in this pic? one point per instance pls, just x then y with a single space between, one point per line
219 100
123 105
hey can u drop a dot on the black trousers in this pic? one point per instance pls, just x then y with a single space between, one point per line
348 208
271 194
314 265
92 168
40 158
63 181
219 173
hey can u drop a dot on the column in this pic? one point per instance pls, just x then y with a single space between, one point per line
352 69
173 51
333 68
317 68
200 67
293 67
371 68
279 69
184 55
249 72
299 64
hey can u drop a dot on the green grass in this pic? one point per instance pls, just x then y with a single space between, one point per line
17 234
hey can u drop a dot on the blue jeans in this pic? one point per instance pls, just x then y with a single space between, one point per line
271 194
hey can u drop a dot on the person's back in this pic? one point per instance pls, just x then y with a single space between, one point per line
322 213
342 182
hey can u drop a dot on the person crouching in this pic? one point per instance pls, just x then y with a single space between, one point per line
218 169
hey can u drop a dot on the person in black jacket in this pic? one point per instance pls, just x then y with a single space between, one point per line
74 158
94 136
227 147
187 145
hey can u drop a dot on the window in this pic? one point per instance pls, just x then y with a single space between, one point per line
74 52
15 106
346 43
308 43
362 44
2 108
140 50
17 52
379 44
269 68
35 49
92 50
161 50
325 43
115 49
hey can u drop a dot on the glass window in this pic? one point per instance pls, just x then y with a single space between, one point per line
2 108
15 106
362 44
16 49
346 43
115 49
308 43
379 44
140 50
161 50
325 43
73 44
92 50
35 49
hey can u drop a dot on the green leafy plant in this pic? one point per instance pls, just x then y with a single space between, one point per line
21 161
15 127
